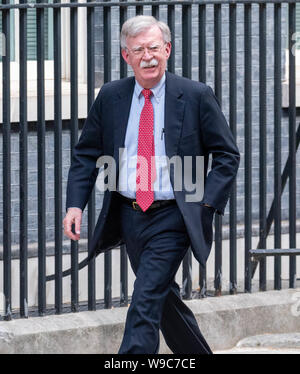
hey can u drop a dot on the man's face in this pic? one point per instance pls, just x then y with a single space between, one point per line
147 54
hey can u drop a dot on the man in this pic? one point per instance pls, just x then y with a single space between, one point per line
152 114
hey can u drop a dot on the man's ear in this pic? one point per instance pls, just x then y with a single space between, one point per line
125 55
168 48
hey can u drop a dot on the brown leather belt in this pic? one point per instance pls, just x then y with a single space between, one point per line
155 205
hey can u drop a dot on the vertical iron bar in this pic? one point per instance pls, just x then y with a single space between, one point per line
232 121
23 149
155 10
124 276
248 144
41 132
187 72
202 78
107 78
187 41
6 166
202 281
58 158
139 9
171 24
218 92
202 43
74 138
292 143
277 126
262 144
123 253
92 199
123 18
187 275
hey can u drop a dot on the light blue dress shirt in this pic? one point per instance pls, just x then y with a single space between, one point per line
127 176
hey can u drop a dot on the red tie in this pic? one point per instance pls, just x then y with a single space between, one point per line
145 171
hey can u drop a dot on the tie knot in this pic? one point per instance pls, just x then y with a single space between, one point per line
147 93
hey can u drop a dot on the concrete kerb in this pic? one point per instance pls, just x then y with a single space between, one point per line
223 321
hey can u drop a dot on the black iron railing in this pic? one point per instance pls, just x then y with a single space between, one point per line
184 13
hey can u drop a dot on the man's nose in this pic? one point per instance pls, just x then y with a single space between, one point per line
147 55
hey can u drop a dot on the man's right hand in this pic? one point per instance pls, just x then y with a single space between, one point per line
73 216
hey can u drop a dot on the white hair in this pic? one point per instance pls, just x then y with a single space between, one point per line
135 25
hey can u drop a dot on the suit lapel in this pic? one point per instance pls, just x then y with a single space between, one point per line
121 114
174 111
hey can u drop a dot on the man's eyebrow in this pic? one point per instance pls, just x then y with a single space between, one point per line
150 44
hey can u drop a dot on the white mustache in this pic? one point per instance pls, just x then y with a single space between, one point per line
149 64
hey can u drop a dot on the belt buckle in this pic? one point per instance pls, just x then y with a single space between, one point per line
135 205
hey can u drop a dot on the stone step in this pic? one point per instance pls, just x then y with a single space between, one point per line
290 340
258 351
266 344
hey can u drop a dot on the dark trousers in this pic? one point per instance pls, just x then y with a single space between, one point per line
156 243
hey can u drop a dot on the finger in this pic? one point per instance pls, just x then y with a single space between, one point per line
68 228
71 236
75 235
67 225
77 225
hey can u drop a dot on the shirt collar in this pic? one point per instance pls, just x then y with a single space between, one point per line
157 90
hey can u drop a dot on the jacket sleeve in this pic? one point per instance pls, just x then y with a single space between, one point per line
83 172
218 140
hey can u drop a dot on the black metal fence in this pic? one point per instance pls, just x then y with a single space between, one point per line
269 214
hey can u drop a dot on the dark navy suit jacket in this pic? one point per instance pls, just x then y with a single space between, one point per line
194 125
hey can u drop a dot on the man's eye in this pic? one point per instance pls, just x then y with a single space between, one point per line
154 49
138 50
